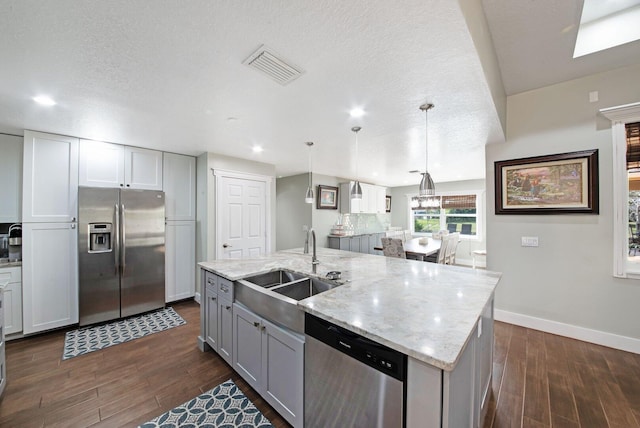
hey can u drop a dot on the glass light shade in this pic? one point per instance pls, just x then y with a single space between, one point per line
309 198
356 190
427 188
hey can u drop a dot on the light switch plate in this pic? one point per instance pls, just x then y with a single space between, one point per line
529 241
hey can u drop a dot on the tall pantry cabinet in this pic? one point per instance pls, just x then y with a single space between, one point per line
49 231
179 178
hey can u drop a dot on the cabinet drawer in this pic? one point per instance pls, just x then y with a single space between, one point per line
210 279
11 274
225 289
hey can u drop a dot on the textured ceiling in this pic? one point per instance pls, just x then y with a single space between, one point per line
168 74
534 41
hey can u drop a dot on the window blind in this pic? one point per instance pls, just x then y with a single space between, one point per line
633 145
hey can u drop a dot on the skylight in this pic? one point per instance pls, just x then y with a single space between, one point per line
607 23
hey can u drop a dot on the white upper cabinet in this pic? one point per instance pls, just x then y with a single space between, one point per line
373 199
10 178
101 164
114 165
50 178
142 168
179 182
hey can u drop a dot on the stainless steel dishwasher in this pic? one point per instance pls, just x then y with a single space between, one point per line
351 381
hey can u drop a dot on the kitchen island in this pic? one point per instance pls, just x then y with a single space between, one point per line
441 317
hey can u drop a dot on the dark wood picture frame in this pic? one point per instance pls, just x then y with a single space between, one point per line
565 183
387 203
327 197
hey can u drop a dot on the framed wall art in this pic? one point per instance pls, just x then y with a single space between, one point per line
327 198
564 183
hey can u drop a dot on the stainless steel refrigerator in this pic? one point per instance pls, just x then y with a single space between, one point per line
121 236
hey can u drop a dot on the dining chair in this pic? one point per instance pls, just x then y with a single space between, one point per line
392 247
406 236
465 229
451 227
442 252
452 245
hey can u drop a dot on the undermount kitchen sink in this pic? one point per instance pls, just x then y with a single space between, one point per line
275 295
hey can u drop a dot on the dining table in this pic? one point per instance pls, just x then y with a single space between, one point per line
415 246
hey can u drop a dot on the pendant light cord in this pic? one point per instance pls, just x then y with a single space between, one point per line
356 129
426 108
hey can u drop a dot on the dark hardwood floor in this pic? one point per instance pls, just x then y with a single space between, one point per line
539 380
544 380
121 386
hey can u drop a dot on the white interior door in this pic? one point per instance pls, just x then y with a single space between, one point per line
242 217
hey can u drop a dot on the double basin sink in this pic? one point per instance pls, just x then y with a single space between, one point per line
275 295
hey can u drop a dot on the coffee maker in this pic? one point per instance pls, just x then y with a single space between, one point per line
15 242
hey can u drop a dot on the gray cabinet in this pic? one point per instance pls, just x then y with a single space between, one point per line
225 329
218 323
211 318
271 360
3 370
357 243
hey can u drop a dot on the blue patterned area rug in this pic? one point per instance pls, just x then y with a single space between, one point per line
85 340
225 406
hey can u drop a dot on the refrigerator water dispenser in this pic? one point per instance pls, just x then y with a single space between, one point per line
100 237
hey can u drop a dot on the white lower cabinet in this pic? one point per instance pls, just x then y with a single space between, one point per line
49 275
180 260
12 299
271 360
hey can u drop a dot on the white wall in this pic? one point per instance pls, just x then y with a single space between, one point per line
292 213
566 284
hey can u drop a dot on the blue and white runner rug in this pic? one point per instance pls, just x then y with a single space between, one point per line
89 339
224 406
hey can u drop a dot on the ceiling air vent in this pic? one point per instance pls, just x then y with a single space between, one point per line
268 62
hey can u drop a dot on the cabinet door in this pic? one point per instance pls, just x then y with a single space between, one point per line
211 334
11 178
142 168
49 275
101 164
180 260
12 306
179 182
225 329
247 346
364 244
50 178
283 372
354 244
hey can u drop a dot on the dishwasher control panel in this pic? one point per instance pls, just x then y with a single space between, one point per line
373 354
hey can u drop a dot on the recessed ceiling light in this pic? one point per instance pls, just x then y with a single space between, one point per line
375 174
356 112
44 100
257 149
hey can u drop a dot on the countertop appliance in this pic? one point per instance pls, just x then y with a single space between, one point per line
349 380
15 242
121 251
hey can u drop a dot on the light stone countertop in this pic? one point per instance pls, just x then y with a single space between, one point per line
424 310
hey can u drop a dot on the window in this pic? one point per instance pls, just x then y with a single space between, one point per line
452 212
626 189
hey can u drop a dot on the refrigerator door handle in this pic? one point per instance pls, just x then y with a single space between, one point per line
116 250
124 243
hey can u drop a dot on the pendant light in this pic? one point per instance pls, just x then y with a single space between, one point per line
308 198
427 188
356 189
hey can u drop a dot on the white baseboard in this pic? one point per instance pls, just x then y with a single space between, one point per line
611 340
197 298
